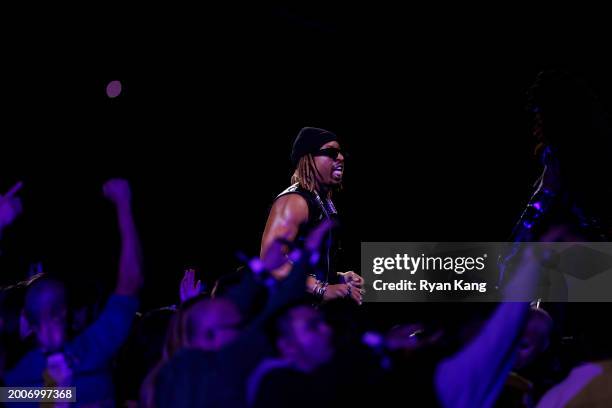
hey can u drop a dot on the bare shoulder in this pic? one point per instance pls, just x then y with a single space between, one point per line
291 207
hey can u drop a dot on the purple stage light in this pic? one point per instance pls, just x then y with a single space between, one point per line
113 89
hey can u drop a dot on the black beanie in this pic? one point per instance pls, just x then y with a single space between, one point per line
309 140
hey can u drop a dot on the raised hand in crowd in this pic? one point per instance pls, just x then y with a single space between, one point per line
189 287
130 278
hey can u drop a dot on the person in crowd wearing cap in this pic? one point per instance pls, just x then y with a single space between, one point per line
318 163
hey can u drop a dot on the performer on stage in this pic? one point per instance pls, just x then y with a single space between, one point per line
318 163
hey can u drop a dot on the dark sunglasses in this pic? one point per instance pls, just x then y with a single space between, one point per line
331 152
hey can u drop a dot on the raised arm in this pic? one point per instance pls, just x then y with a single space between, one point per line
475 376
130 278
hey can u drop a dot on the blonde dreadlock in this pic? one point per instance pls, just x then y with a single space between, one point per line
305 174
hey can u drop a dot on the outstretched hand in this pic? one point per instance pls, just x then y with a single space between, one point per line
315 238
276 256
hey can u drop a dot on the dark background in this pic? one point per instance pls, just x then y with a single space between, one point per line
428 102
